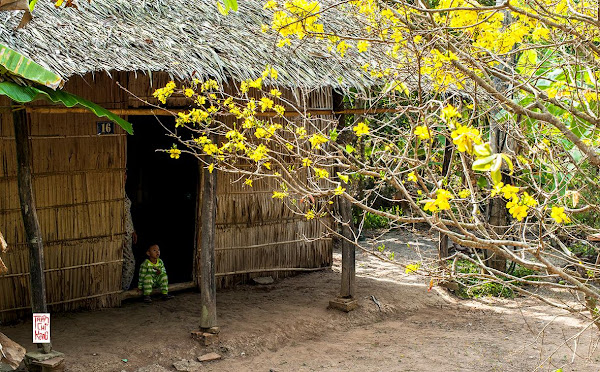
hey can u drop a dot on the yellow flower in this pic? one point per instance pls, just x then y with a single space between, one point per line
441 202
343 177
411 177
317 140
275 92
422 132
412 268
248 182
559 215
361 129
362 46
517 209
342 47
271 4
339 190
264 28
464 193
449 112
509 191
306 162
175 153
210 149
279 195
465 137
280 110
321 173
211 167
301 132
310 215
267 165
188 92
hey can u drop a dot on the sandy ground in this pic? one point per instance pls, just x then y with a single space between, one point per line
286 326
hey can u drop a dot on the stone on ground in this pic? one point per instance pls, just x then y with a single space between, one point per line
185 365
264 280
209 357
152 368
12 353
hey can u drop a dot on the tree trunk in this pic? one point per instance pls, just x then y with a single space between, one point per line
208 290
33 232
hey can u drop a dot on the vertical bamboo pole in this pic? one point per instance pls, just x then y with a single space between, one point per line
208 291
33 231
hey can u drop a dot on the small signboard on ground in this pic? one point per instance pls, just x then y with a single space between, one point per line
41 328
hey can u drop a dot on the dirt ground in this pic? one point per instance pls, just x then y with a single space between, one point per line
286 326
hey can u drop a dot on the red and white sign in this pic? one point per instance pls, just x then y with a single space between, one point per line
41 328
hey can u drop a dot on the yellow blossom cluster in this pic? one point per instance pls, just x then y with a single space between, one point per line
441 202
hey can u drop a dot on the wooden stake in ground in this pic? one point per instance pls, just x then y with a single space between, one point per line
30 220
208 289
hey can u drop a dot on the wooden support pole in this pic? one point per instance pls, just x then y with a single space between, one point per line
33 231
345 301
208 288
443 241
348 252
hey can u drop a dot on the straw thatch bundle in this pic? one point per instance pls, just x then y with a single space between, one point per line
182 38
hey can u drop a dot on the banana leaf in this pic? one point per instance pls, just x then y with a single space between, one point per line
17 64
24 94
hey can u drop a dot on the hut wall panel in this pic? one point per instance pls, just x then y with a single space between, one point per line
256 233
78 185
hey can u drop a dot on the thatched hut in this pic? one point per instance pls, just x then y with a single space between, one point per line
79 166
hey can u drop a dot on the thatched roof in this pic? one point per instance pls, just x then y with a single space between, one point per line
180 37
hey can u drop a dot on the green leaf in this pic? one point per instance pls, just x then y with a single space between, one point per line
495 170
17 64
32 5
509 162
527 62
483 149
333 135
27 94
350 149
483 164
231 4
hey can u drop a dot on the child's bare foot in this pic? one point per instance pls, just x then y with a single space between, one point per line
167 296
147 299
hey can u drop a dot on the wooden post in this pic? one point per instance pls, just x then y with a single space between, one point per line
348 253
443 243
33 232
208 289
345 301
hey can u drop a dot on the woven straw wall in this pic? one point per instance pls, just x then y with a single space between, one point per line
78 186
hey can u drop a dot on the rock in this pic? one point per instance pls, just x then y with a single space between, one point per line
12 353
263 280
152 368
185 365
209 357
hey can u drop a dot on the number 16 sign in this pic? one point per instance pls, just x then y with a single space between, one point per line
41 328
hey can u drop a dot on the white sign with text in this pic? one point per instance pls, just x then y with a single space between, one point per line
41 328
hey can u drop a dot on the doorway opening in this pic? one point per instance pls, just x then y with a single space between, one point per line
164 196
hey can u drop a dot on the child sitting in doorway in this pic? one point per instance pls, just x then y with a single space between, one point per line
153 275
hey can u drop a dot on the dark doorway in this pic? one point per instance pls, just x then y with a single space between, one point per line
163 193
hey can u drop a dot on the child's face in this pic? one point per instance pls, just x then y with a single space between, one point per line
153 252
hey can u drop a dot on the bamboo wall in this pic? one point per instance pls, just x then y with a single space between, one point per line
257 235
78 186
